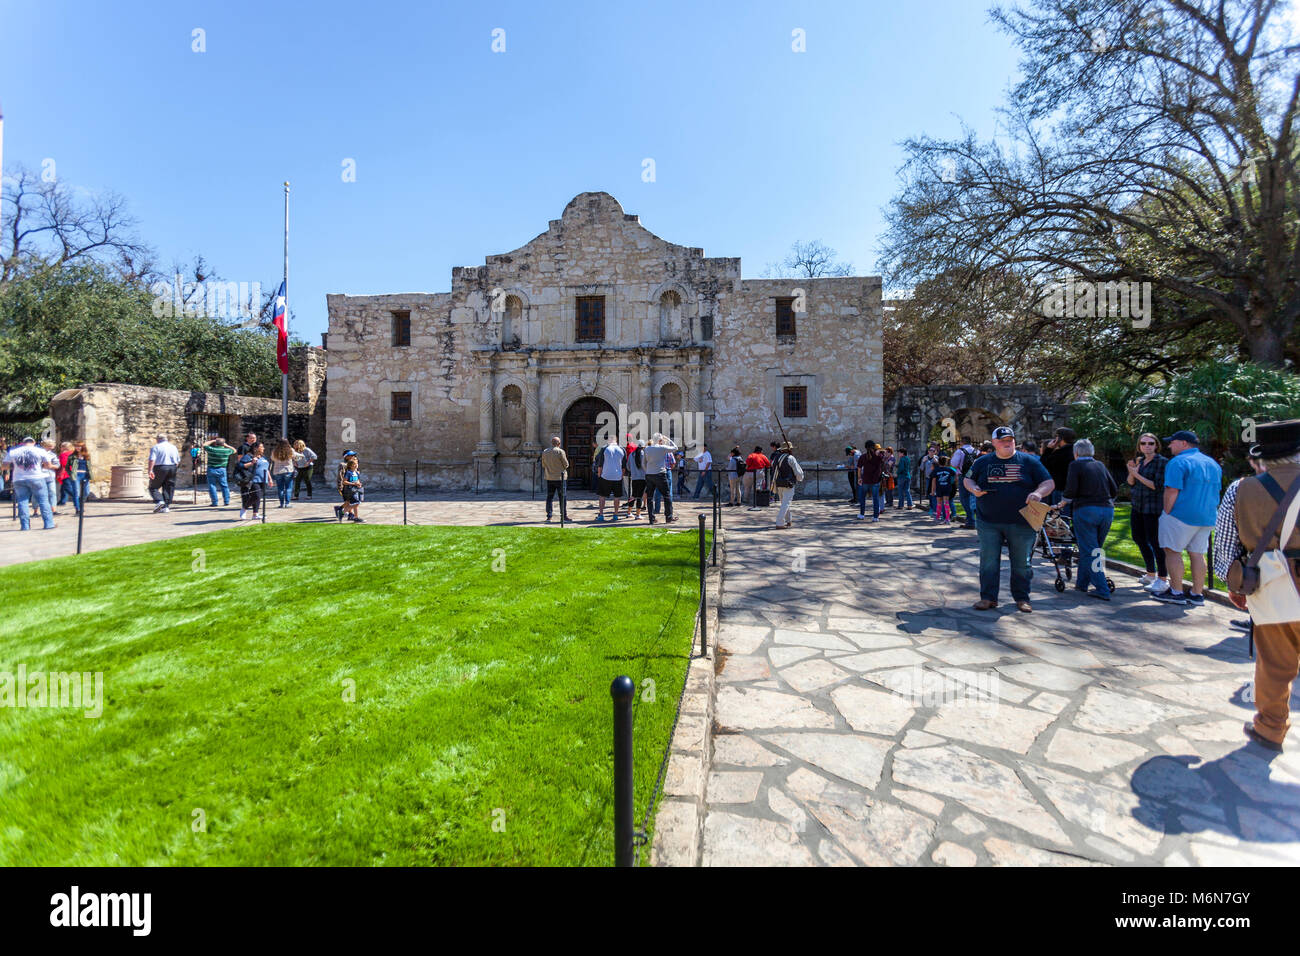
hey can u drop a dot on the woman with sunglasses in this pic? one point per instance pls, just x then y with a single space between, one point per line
1146 475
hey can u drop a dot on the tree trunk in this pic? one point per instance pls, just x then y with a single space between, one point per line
1265 344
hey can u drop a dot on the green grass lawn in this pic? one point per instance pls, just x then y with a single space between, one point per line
480 732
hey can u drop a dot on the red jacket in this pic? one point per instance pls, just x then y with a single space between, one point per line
757 462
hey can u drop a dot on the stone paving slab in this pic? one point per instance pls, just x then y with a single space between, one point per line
894 725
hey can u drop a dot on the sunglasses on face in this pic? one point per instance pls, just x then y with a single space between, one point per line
1146 443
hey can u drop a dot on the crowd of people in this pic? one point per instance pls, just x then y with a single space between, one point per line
42 479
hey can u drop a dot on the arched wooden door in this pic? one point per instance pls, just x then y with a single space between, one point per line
580 430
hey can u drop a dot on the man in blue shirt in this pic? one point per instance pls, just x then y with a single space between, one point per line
1192 484
1002 484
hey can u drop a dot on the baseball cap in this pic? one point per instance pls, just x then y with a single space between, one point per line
348 452
1002 431
1184 435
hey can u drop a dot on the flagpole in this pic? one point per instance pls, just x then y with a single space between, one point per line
284 377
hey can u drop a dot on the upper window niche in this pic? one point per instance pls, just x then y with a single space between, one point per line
512 322
670 317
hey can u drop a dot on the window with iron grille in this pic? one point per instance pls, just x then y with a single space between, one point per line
796 401
785 316
401 328
591 318
401 407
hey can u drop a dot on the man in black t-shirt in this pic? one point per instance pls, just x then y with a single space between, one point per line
1003 483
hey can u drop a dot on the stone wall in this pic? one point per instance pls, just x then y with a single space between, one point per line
119 422
913 412
493 365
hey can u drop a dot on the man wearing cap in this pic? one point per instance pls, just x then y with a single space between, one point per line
1277 646
163 459
1002 483
1192 483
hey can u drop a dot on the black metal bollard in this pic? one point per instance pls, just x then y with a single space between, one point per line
564 505
704 638
717 509
622 691
81 517
403 496
417 476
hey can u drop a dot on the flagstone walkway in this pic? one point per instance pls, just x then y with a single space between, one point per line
865 715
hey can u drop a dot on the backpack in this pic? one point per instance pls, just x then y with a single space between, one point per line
740 465
968 459
1266 575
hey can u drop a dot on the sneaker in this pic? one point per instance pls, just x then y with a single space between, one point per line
875 519
670 520
243 513
338 513
548 519
359 520
1241 622
1169 597
613 517
166 510
1146 579
862 517
600 518
1195 600
158 508
1158 587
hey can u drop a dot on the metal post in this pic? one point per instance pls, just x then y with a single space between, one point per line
264 504
564 505
717 507
704 638
81 517
534 482
817 482
403 496
417 476
622 691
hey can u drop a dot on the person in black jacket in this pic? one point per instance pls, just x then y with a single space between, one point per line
1091 489
1057 456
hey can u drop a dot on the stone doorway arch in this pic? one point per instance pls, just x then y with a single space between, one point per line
578 431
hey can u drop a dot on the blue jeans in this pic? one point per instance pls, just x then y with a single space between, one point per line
1020 541
284 487
68 490
904 493
705 479
874 491
1091 526
218 481
33 488
966 505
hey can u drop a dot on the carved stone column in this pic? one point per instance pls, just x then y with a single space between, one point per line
532 408
485 452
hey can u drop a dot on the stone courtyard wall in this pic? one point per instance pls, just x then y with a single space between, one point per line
119 422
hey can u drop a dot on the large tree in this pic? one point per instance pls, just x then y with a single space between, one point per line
1148 141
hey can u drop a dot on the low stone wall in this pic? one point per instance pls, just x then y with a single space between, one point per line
119 422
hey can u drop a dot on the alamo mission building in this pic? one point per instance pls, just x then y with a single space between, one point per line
598 315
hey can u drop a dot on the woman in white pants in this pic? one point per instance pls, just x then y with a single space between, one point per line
787 474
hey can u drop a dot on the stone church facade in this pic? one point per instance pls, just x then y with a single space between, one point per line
598 315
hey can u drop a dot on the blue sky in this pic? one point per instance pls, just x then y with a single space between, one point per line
461 152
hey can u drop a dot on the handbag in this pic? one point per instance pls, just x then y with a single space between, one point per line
1266 580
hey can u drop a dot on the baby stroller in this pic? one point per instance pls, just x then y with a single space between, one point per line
1059 545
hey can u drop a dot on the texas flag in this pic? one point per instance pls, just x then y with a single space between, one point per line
281 322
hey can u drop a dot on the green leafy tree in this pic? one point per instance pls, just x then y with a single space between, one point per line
71 325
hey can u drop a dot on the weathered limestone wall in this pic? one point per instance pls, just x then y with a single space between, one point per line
119 422
494 364
835 353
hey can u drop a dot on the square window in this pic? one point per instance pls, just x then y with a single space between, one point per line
785 316
401 407
796 401
590 318
401 328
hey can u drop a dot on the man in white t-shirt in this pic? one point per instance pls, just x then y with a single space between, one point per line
163 459
29 464
704 462
610 482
